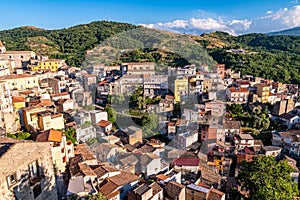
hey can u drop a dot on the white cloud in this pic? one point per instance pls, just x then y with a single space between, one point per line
288 17
194 24
273 20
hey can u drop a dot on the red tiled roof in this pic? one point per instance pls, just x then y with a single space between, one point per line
123 178
26 92
108 188
18 99
103 123
50 136
59 94
55 136
238 89
186 161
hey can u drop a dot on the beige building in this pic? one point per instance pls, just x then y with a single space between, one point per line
237 94
9 120
263 90
21 81
136 68
30 174
17 59
5 98
4 67
58 84
126 84
39 118
61 149
135 135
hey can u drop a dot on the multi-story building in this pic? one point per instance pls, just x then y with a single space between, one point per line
4 67
126 85
47 65
220 69
30 174
135 135
137 68
196 84
263 90
21 81
61 149
283 106
155 84
8 117
237 94
58 84
39 118
17 59
89 82
5 98
188 71
184 140
181 88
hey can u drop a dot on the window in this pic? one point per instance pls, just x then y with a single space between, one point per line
37 190
11 179
33 169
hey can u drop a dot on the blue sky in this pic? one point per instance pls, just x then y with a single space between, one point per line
233 16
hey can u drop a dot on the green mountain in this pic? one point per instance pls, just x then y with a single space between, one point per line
68 43
274 57
271 57
293 31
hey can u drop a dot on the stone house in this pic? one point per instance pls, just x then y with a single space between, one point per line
146 192
186 165
118 186
174 191
30 175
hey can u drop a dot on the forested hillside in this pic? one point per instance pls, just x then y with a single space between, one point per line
68 43
270 56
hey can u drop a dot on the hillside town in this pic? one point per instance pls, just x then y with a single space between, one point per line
133 132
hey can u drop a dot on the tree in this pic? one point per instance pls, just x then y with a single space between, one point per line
266 178
150 124
70 134
20 135
111 114
97 196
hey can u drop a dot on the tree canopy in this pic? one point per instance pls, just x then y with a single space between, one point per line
268 179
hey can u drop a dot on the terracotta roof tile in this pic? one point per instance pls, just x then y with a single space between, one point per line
25 92
238 89
55 136
108 188
123 178
103 123
186 161
162 177
18 99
